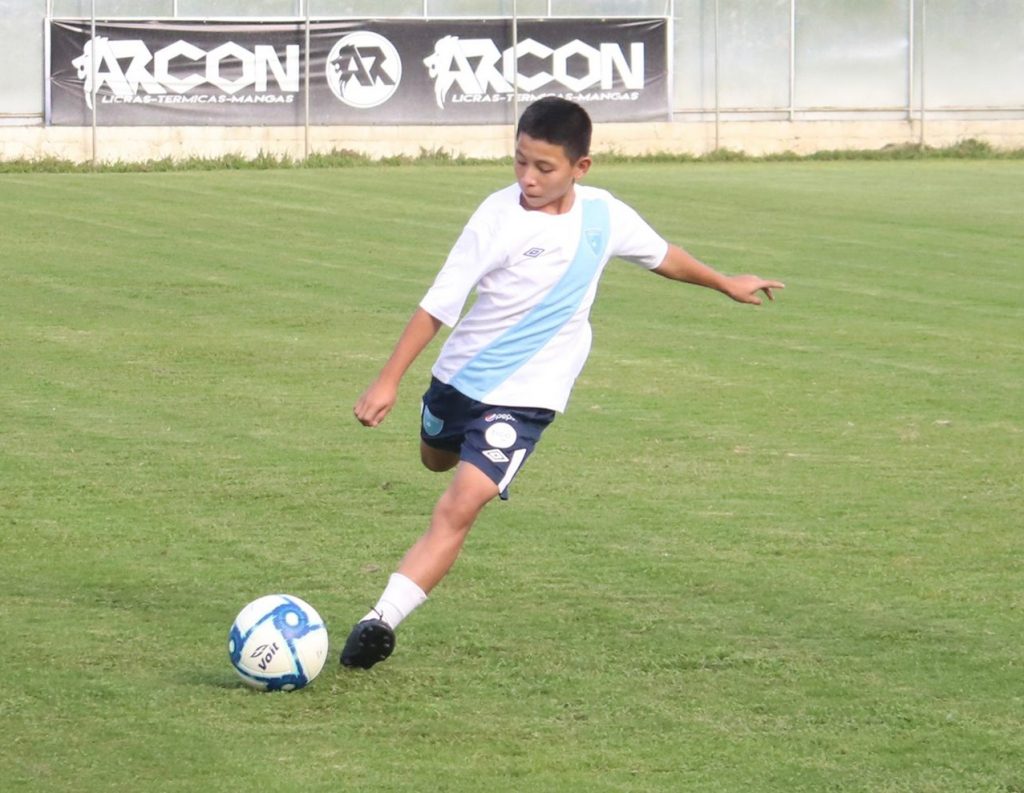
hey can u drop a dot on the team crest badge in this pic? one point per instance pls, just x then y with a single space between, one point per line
432 425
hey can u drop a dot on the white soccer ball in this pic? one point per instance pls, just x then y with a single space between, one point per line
278 643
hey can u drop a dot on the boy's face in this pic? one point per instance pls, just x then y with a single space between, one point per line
546 174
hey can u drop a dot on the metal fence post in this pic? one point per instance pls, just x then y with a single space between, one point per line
792 59
718 107
670 46
924 50
910 62
305 150
92 80
515 70
47 87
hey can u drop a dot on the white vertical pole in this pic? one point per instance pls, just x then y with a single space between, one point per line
670 48
93 70
47 96
718 110
924 50
515 69
910 61
792 58
305 151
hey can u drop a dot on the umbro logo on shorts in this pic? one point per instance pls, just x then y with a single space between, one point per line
533 253
495 455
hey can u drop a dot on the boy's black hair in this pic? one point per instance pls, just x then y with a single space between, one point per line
560 122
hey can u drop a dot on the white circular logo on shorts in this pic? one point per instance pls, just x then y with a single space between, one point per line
501 435
364 69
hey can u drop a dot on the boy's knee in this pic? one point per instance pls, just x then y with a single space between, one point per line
467 494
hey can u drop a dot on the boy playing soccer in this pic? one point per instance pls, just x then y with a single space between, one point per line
534 252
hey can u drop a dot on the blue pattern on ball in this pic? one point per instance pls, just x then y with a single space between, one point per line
290 633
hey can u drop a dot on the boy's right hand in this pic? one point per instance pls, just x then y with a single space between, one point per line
377 400
375 403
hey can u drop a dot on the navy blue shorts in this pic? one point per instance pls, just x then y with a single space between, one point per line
495 439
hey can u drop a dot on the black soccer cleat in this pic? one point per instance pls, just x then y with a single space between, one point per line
370 641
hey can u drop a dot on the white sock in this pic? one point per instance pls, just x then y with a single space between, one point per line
401 597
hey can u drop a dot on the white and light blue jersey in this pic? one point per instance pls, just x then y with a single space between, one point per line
527 335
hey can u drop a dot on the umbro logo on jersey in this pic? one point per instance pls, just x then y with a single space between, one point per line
533 253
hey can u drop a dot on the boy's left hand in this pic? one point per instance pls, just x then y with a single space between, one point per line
745 288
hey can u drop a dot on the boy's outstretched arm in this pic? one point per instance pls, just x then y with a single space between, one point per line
681 266
377 400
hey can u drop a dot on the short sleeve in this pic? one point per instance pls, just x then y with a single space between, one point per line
633 239
469 260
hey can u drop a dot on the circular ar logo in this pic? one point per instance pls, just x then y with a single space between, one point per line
363 69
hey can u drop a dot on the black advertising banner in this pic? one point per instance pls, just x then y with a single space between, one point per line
175 74
360 71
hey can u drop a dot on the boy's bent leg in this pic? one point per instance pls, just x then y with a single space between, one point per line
373 638
435 552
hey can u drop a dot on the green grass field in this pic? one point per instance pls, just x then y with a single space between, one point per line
772 549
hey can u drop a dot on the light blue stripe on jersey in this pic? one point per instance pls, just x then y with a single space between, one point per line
496 362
